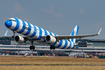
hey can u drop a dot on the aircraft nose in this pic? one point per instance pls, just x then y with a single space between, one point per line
8 24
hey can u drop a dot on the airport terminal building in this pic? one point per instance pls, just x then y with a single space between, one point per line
8 44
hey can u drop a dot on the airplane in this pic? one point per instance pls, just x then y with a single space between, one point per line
24 52
34 33
27 52
80 54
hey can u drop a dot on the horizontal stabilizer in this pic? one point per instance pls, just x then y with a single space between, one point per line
83 45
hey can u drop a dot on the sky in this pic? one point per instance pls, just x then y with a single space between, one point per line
57 16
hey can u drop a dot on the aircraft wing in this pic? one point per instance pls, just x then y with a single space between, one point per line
78 36
71 37
65 37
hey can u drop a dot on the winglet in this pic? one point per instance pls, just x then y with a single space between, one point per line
6 33
99 31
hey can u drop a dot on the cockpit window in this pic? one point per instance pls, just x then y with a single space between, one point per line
11 20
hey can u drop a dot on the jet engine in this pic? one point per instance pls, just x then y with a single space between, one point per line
50 39
20 39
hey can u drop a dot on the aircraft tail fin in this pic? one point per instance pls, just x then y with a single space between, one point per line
74 33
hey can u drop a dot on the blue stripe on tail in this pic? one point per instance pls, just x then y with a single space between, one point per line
74 33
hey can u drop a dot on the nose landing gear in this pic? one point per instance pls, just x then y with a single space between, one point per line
13 35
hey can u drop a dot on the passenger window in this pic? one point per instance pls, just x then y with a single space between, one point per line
29 28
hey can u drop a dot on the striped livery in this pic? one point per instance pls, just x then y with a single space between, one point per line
35 33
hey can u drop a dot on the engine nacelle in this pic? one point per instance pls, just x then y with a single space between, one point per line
50 39
20 39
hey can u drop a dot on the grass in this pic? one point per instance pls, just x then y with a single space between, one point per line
52 68
51 63
51 60
48 59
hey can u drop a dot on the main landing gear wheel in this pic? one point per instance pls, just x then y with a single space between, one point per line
52 47
32 47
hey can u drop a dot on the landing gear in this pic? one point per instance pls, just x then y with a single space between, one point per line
52 47
32 47
13 35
